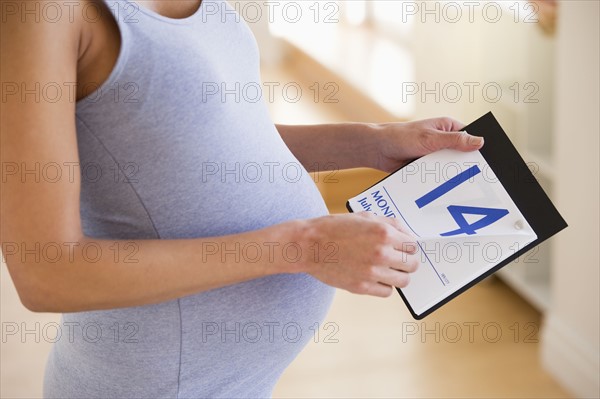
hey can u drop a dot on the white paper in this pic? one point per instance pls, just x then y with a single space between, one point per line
422 195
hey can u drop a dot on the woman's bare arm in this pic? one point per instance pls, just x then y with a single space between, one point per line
38 216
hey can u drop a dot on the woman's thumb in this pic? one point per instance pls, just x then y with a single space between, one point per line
461 141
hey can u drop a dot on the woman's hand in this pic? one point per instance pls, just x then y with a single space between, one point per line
361 253
400 143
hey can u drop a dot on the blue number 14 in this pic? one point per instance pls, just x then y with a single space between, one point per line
490 215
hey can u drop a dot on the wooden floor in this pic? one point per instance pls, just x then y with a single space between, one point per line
483 344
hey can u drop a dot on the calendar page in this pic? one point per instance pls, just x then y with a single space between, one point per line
462 217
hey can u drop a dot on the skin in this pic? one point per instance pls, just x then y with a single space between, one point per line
374 254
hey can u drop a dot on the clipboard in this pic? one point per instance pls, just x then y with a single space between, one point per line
507 211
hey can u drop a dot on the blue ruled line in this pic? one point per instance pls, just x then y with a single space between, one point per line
399 213
431 263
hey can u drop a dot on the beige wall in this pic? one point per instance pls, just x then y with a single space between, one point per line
571 345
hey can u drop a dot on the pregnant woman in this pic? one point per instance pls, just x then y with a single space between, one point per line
178 231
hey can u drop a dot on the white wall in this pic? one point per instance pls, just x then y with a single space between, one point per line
488 52
571 337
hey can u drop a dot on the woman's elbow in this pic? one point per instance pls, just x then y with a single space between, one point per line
33 304
36 291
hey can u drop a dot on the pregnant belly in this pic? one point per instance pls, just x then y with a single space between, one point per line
229 342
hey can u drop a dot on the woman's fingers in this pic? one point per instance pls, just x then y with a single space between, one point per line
402 261
397 234
393 277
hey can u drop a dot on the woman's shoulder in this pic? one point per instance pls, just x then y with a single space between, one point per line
82 35
40 38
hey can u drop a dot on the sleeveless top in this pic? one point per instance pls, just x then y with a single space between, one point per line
178 143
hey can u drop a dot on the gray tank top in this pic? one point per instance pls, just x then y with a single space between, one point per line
177 143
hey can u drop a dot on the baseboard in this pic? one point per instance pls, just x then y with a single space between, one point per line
572 361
